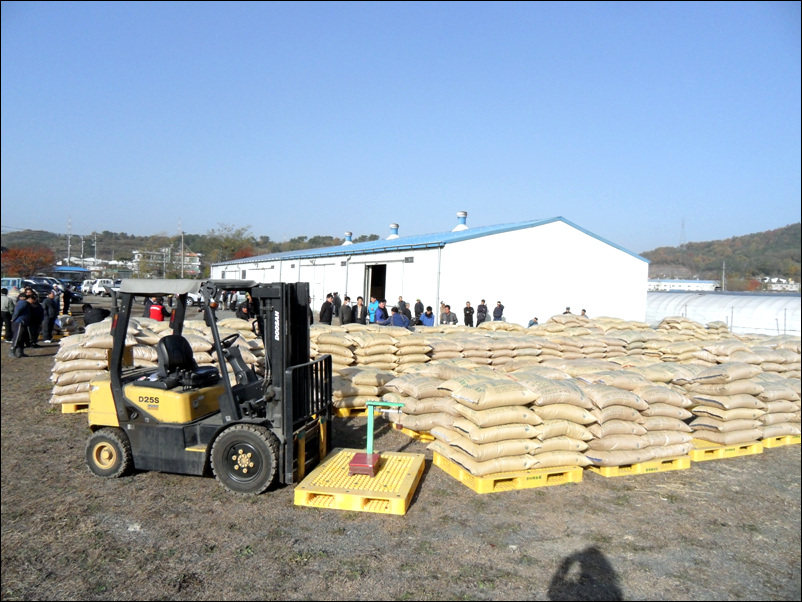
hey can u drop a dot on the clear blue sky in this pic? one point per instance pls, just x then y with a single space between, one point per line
292 119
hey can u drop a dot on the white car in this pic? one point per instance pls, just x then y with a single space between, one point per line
99 287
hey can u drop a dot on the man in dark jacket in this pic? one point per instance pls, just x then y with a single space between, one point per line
37 315
418 309
326 310
50 306
335 305
346 311
360 311
93 315
481 313
19 323
468 311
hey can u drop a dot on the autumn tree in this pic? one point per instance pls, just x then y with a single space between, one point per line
27 261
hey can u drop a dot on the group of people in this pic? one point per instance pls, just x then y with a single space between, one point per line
31 318
28 318
377 312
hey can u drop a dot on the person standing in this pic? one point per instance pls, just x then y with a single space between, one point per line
7 309
584 314
37 315
372 306
567 310
418 309
310 314
447 317
336 304
468 311
50 307
67 299
346 311
360 312
326 310
498 311
19 324
158 311
481 313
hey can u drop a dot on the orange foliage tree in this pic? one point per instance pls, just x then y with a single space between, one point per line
23 262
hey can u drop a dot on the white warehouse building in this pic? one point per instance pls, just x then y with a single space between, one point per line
535 268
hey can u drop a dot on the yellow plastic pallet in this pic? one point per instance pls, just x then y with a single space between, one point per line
780 441
652 466
419 436
351 412
74 408
707 450
389 492
510 481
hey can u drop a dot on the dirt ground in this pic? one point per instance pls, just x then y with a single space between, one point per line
722 530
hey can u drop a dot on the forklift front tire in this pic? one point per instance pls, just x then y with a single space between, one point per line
108 453
245 459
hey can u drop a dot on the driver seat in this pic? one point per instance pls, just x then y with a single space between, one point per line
177 365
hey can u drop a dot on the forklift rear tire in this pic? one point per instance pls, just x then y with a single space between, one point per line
245 458
108 453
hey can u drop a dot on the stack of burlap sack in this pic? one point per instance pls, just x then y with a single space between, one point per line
82 357
732 404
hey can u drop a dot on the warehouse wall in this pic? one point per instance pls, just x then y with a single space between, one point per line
535 271
539 271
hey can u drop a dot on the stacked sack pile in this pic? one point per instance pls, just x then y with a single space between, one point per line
782 406
80 358
337 343
727 407
638 419
411 351
355 386
376 348
425 404
499 429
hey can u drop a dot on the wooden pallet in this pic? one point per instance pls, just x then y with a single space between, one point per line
707 450
780 441
652 466
74 408
352 412
510 481
390 492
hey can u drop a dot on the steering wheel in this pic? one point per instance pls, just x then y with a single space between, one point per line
229 340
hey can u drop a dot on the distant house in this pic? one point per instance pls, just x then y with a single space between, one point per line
682 285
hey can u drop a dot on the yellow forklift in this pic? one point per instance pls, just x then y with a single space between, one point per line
249 430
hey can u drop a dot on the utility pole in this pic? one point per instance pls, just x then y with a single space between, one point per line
69 238
180 229
82 251
723 276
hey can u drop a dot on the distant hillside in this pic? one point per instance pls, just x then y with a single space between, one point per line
222 244
774 253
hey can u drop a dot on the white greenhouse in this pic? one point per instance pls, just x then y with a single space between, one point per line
535 268
744 313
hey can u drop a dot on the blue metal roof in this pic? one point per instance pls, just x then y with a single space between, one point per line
421 241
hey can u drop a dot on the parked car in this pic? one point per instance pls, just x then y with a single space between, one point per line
99 287
40 288
86 286
12 285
